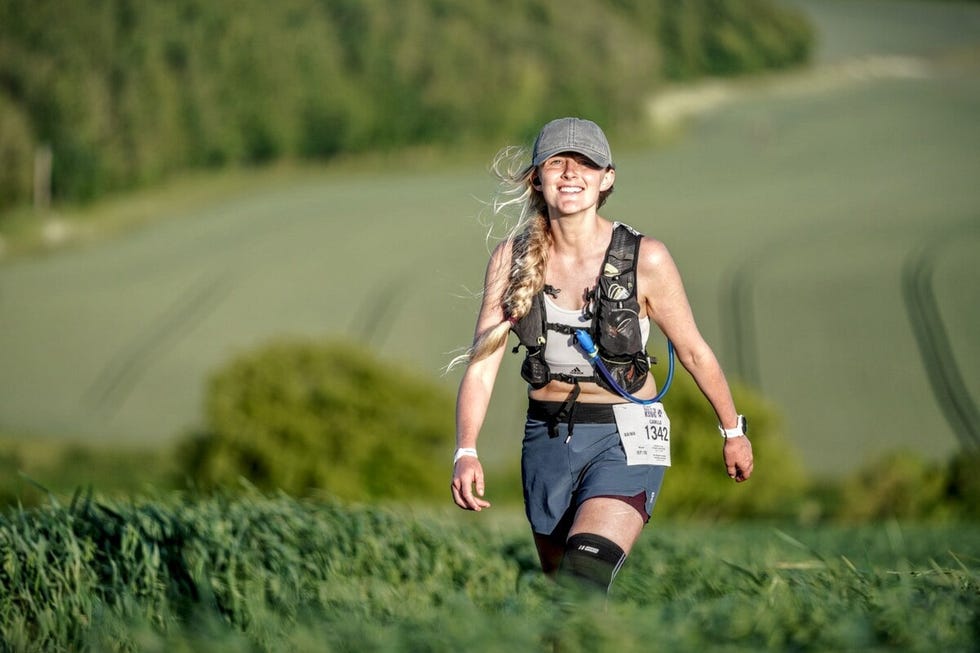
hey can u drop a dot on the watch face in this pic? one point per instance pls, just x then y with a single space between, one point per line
745 425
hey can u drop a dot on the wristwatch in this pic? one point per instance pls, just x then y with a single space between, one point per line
741 428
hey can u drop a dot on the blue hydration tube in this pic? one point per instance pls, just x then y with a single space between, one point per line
585 340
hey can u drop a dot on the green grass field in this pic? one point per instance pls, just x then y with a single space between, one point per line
793 208
273 573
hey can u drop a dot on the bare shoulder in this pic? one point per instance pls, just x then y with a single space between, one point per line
503 248
501 255
658 275
653 255
498 268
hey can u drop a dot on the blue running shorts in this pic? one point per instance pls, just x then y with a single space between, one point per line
559 473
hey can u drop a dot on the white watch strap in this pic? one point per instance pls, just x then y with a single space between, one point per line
736 432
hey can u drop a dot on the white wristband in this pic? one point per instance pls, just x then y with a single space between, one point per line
464 451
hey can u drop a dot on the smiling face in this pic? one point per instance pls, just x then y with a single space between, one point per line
571 183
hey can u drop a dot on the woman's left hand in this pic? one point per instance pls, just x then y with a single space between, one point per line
738 458
467 475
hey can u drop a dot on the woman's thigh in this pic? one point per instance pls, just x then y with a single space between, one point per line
611 518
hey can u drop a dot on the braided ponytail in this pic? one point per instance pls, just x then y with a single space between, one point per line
531 241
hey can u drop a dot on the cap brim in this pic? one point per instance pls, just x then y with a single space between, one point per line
595 157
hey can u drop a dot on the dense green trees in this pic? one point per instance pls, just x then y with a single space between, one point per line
126 91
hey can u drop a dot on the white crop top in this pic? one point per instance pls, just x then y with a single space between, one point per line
563 355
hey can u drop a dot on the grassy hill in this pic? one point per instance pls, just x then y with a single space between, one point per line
793 208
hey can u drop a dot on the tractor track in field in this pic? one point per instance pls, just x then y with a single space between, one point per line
938 359
932 339
742 339
375 317
119 376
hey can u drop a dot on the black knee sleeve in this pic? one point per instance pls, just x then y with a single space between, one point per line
591 560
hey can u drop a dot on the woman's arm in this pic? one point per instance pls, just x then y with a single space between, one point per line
476 388
667 305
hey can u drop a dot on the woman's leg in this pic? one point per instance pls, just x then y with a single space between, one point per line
601 536
611 518
601 518
551 550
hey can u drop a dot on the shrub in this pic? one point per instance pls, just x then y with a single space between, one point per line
302 415
904 485
963 484
897 484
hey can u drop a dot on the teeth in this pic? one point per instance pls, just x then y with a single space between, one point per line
570 189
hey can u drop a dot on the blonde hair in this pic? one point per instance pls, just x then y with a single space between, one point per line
530 239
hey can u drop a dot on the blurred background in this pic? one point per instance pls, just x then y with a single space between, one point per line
244 238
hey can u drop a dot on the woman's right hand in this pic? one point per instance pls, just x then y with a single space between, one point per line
467 477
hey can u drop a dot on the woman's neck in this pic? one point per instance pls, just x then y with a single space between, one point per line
579 234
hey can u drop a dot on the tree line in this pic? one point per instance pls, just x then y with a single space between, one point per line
121 93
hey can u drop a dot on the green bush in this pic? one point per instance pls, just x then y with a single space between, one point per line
904 485
33 468
898 484
963 484
10 466
302 415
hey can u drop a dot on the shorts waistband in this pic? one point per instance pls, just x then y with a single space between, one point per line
560 411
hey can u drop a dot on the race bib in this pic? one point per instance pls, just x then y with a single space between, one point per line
644 430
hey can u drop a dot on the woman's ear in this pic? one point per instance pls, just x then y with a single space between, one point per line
535 181
608 179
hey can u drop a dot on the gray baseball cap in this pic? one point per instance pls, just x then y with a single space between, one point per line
572 135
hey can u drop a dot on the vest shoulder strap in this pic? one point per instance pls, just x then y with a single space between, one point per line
624 247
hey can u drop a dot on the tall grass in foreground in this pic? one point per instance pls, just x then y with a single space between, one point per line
263 573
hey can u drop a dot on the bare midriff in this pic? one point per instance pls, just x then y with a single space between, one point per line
590 393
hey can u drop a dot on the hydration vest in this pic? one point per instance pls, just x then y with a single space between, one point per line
615 327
